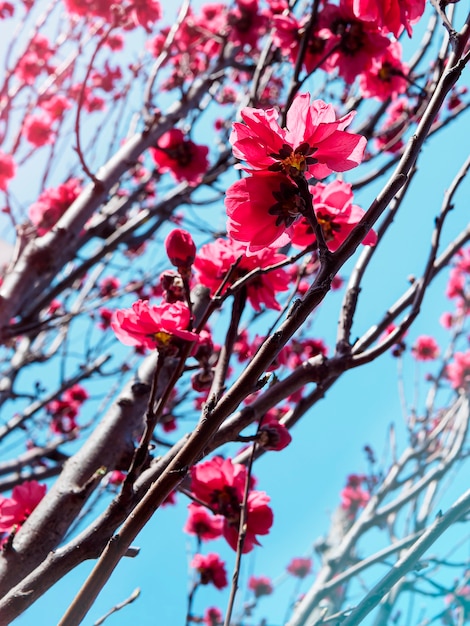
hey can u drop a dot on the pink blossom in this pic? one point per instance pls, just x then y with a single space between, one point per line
353 496
37 129
203 524
24 499
213 617
260 585
354 42
336 214
425 348
52 204
261 210
273 435
391 15
300 567
314 140
458 371
152 326
211 570
180 156
221 484
7 169
386 76
215 260
56 106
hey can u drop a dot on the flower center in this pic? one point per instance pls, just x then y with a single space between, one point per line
328 226
182 153
289 205
293 162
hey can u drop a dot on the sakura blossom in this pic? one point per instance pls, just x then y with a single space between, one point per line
353 496
313 143
386 76
220 484
211 570
7 169
224 261
260 586
391 15
24 499
202 523
273 435
184 159
300 567
458 371
152 326
425 348
52 204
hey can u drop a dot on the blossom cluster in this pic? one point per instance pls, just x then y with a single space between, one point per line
269 209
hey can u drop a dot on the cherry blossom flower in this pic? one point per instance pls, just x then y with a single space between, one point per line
425 348
52 204
391 15
182 157
203 524
273 435
56 105
300 567
213 617
211 570
215 260
260 586
24 499
152 326
7 169
37 129
355 41
261 210
458 371
336 214
180 248
221 484
386 76
353 497
314 141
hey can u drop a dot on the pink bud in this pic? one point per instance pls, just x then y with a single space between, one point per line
180 248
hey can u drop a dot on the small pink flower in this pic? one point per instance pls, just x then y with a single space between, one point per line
211 570
314 140
24 499
52 204
152 326
7 170
273 435
391 15
202 523
213 617
425 348
215 260
180 156
300 567
37 129
260 585
353 497
458 372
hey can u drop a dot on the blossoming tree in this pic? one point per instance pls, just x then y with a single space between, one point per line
182 193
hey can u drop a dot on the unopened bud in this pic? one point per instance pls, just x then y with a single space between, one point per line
180 248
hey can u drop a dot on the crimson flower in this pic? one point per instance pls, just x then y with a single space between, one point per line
260 585
211 570
180 156
425 348
313 142
273 435
220 484
300 567
52 204
213 617
458 372
336 214
24 499
391 15
152 326
7 169
201 523
216 259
